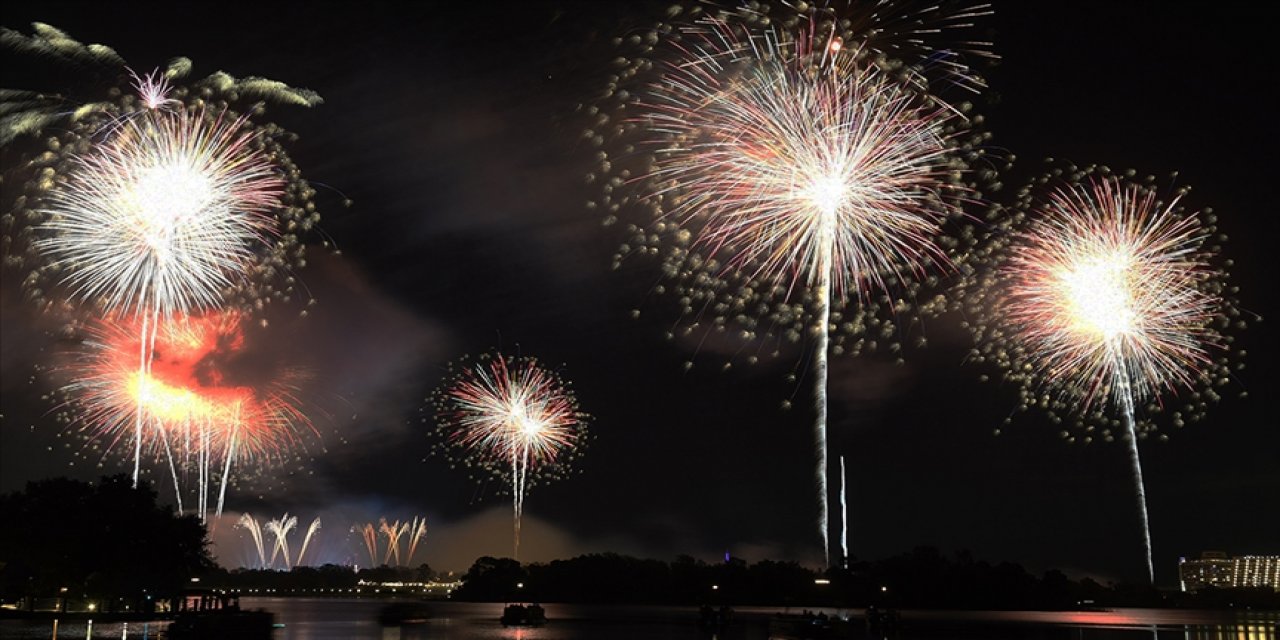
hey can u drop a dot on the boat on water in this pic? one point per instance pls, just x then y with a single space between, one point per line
519 615
217 625
811 626
714 620
398 614
817 626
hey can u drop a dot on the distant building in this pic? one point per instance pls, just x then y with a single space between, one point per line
1215 570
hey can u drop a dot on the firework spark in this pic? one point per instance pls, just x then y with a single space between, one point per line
158 156
196 418
1107 299
789 177
512 419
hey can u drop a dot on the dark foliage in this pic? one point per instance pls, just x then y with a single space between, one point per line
922 578
104 539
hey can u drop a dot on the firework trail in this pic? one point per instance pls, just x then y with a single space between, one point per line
255 532
783 168
393 531
311 530
199 419
1106 298
844 518
417 530
511 419
370 536
280 530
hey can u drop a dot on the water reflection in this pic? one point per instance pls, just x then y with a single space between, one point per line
334 619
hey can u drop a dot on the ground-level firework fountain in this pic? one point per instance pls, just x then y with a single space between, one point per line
395 533
279 530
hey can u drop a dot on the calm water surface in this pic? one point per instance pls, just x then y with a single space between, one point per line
343 619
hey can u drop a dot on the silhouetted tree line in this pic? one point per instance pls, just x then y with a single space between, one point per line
329 576
922 578
104 540
613 578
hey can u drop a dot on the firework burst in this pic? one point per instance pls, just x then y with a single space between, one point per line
197 420
1106 299
511 419
790 175
163 218
158 222
155 200
160 140
1106 293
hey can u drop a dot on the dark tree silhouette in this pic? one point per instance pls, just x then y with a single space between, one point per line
102 540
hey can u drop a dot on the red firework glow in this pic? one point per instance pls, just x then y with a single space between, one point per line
197 414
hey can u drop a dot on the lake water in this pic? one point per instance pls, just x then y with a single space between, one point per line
352 619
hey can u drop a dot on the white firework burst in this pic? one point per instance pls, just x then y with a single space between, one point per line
162 217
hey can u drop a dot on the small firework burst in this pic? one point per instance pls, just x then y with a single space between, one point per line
153 89
509 419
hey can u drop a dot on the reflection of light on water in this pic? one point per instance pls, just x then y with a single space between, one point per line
354 619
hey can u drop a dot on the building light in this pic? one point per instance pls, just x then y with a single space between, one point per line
1215 570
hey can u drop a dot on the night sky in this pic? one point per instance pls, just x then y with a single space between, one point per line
452 130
